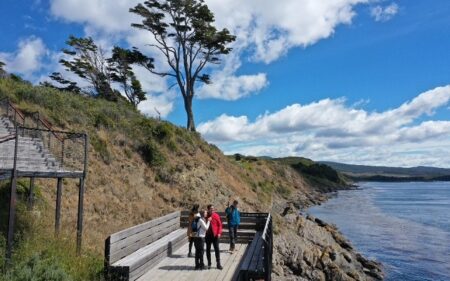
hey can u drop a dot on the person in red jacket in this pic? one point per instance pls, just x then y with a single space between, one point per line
213 236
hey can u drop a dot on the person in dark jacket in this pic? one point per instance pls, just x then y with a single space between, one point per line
213 236
191 235
234 220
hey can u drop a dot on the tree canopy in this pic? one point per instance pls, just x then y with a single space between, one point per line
121 71
88 61
184 33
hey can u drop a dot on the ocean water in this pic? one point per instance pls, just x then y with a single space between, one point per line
406 226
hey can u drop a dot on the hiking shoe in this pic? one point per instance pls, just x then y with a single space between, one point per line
219 267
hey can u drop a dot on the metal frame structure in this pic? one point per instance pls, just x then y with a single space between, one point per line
41 128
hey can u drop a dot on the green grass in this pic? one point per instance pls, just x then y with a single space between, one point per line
38 254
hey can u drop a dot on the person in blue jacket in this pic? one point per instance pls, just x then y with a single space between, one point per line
234 220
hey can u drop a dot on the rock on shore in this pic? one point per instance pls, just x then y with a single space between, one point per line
307 248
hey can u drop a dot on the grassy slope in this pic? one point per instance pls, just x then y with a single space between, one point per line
139 168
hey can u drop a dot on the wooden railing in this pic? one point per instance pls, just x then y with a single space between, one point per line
267 236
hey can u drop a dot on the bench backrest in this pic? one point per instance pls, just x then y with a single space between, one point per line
127 241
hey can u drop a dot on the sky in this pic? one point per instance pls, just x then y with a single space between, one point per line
353 81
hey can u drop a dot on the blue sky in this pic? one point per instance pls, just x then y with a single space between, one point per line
366 58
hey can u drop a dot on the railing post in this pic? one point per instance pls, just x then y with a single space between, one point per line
80 216
81 197
12 204
58 206
62 152
31 194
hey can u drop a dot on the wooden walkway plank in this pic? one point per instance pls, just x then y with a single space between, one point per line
179 267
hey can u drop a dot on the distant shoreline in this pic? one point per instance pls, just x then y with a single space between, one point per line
381 178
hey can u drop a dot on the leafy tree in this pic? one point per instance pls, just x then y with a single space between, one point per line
88 61
68 85
184 33
2 71
120 67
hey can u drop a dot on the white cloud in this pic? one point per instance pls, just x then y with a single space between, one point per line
330 130
265 31
272 29
102 15
382 14
157 105
28 58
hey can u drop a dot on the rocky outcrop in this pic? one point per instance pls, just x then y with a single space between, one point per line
307 248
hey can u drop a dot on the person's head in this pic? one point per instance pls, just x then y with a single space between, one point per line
211 209
204 213
195 208
235 203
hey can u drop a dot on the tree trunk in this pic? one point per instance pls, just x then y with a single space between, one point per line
190 114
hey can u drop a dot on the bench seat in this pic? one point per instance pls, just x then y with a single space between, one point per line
252 267
132 252
145 258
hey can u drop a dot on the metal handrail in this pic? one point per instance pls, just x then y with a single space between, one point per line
46 124
17 112
7 138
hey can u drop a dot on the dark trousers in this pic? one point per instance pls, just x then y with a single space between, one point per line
191 242
233 236
199 243
215 242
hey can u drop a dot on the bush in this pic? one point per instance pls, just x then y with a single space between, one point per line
38 267
151 154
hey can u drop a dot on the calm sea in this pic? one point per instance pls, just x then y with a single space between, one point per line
406 226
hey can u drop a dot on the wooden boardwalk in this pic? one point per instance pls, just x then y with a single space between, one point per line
178 267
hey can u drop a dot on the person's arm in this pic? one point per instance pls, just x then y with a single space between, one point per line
204 225
220 225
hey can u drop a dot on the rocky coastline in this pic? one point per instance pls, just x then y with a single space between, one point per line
307 248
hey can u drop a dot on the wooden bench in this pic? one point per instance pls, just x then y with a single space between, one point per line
252 267
130 253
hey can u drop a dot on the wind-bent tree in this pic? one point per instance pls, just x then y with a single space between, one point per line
120 68
185 35
67 85
88 61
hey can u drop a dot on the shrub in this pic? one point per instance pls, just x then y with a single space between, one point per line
151 154
38 267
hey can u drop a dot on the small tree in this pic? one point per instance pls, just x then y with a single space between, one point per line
88 62
185 35
120 67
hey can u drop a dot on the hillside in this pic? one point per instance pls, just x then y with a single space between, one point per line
141 168
383 173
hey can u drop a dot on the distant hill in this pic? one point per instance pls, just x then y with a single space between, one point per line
384 173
